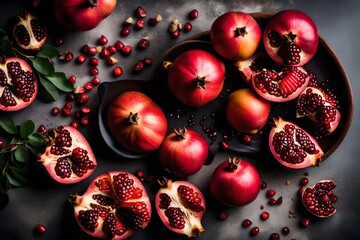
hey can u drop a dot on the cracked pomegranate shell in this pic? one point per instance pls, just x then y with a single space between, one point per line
114 206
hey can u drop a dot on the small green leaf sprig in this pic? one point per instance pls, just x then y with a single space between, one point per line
23 146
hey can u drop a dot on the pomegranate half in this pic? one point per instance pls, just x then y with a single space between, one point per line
114 206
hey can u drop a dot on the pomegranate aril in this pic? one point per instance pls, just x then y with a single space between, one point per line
94 61
85 110
270 193
139 24
95 81
94 71
305 222
125 31
55 111
304 181
124 187
40 229
144 43
117 71
41 130
155 20
193 14
74 124
176 217
274 236
111 227
263 185
112 49
190 198
223 215
88 219
72 79
103 40
119 45
254 231
92 50
264 216
82 98
147 62
126 50
187 27
111 60
176 34
59 41
140 12
285 230
88 86
246 223
139 66
81 59
66 112
104 52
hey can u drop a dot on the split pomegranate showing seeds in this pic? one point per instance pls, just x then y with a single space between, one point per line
29 32
68 157
280 86
319 199
292 146
18 84
180 206
291 38
114 206
320 108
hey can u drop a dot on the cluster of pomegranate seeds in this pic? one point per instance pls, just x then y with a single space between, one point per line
176 26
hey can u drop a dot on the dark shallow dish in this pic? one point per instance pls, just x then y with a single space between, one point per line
325 65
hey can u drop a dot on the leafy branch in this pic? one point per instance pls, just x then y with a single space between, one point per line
24 144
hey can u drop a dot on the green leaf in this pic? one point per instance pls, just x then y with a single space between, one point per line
43 66
36 139
27 128
8 124
21 154
16 177
61 82
49 92
47 52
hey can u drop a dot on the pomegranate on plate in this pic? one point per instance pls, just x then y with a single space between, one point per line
136 122
235 182
183 152
114 206
235 35
319 199
180 206
82 15
291 38
18 84
196 77
292 146
68 157
29 32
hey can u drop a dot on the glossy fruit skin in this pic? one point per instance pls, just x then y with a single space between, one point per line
103 186
299 24
229 38
196 77
136 122
246 112
5 79
184 152
82 15
235 182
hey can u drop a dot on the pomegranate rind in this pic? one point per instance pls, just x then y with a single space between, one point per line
83 203
20 104
48 160
193 226
244 66
310 160
303 199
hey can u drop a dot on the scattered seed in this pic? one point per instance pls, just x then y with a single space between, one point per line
270 193
305 222
254 231
222 216
246 223
304 181
264 215
285 230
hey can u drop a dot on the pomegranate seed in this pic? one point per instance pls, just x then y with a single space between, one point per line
187 27
41 129
117 71
40 229
95 81
125 31
72 79
147 62
112 49
305 222
111 60
176 33
140 175
224 144
264 215
81 59
77 115
126 50
94 71
270 193
246 223
274 236
84 120
304 181
193 14
94 61
74 124
247 138
140 12
222 216
128 22
85 110
139 66
69 56
155 20
104 53
119 45
255 231
82 98
55 111
2 144
285 230
139 24
68 105
88 86
272 201
79 90
263 185
300 190
279 201
59 41
92 50
103 40
66 112
144 43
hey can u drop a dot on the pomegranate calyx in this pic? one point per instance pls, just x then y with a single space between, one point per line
92 3
233 163
181 132
201 82
240 31
133 118
290 37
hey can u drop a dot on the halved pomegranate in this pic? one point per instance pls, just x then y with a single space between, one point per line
114 206
68 157
320 108
280 87
292 146
180 206
319 198
18 84
29 32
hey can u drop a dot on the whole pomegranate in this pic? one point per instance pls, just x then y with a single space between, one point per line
321 108
246 112
319 198
29 32
18 84
235 35
114 206
183 152
82 15
136 122
292 146
291 38
235 182
196 77
280 86
180 206
68 157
